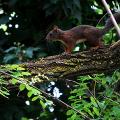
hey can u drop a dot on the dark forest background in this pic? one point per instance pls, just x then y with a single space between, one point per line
24 25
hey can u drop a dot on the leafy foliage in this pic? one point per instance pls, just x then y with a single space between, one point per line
19 53
19 77
24 25
96 97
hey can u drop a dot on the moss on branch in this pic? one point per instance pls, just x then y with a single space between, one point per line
71 65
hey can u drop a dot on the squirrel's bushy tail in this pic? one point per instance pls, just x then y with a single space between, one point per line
109 23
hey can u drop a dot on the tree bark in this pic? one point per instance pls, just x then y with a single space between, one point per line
65 66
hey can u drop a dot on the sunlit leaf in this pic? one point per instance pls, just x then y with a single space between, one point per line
96 111
30 93
14 81
35 98
42 104
22 87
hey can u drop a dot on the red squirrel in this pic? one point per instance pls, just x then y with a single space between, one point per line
91 35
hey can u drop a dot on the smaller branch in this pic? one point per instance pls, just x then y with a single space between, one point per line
72 81
101 19
65 104
94 88
115 45
111 16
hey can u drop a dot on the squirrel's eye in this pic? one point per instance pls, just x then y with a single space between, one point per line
50 34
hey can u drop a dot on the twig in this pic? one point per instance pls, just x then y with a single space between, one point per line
118 103
68 106
111 16
77 111
115 45
72 81
94 88
101 19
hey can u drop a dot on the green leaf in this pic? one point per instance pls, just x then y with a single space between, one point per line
22 87
29 52
17 74
30 93
70 112
42 104
84 78
89 111
1 93
29 87
26 73
20 68
9 58
73 117
35 91
72 97
96 111
116 111
12 67
4 93
109 79
103 81
35 98
93 101
14 81
10 49
99 11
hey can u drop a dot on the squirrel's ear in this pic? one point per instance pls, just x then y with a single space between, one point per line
55 27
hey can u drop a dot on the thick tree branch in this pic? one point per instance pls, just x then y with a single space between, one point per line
71 65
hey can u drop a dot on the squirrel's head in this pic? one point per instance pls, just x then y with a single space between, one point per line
54 34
